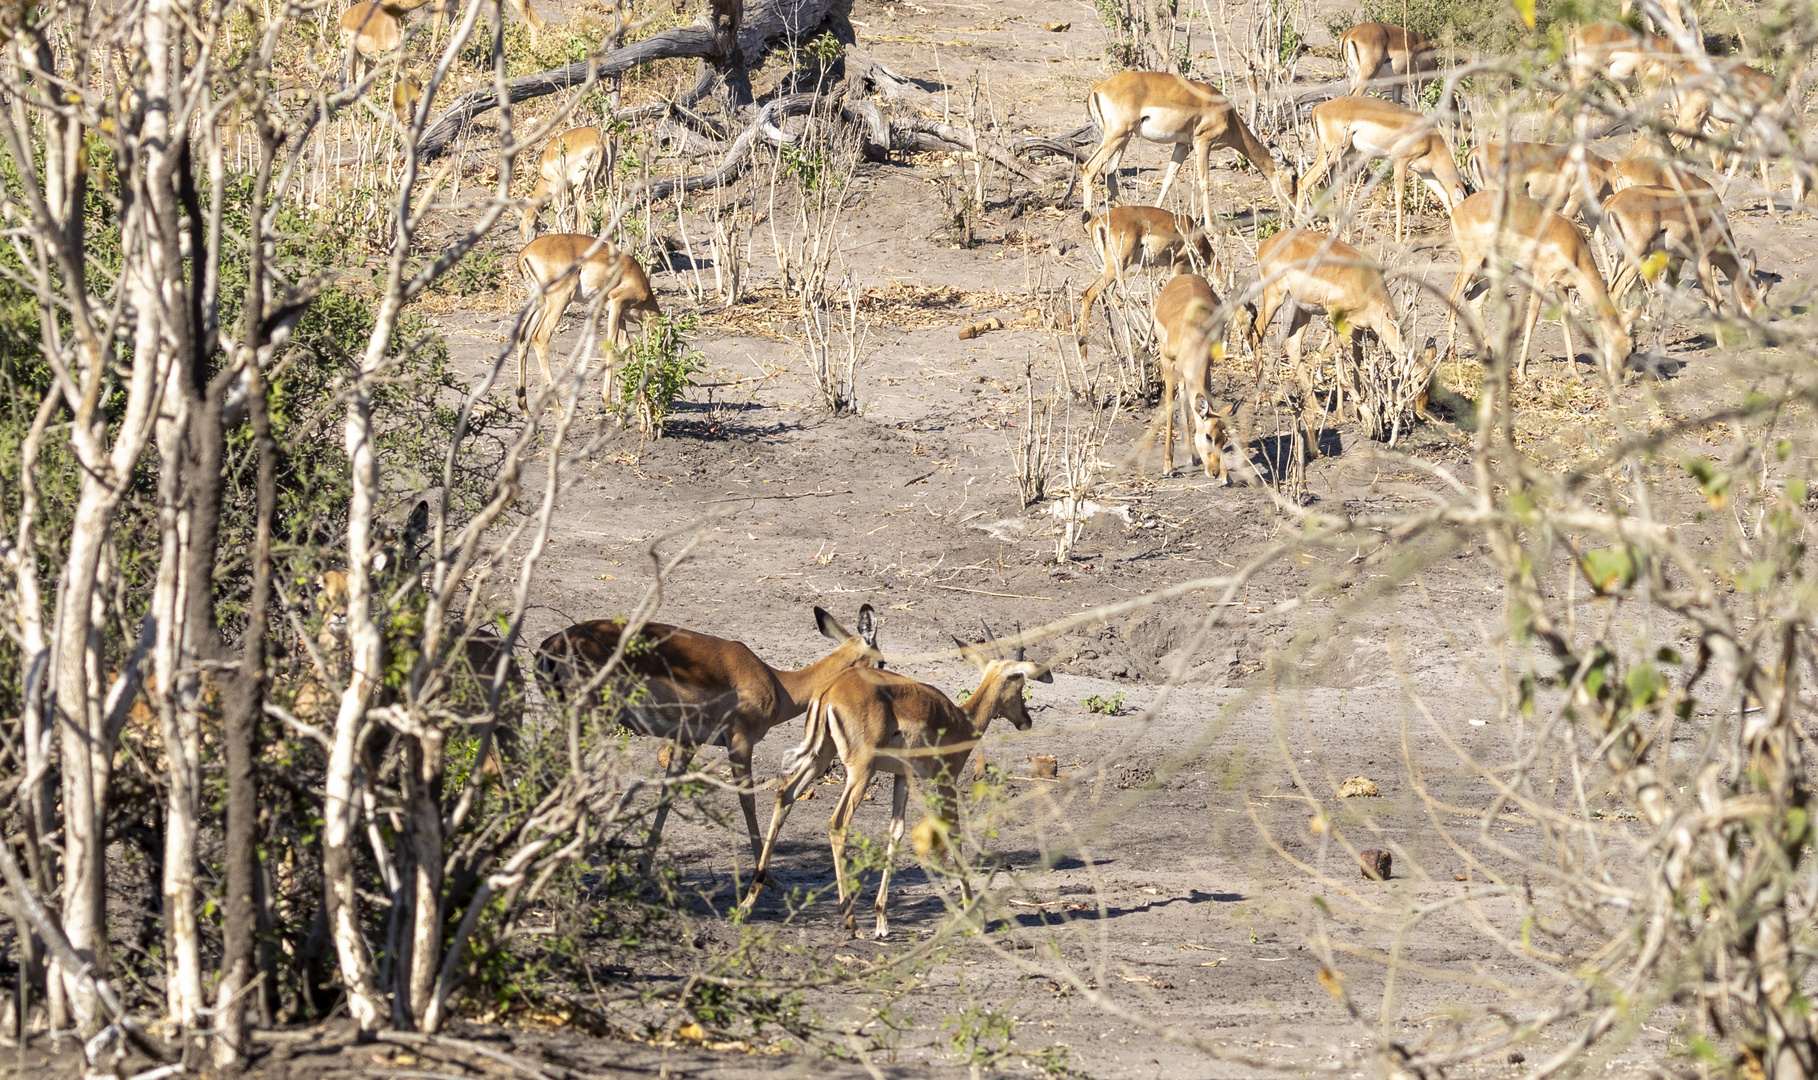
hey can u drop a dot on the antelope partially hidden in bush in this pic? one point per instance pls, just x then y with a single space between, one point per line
699 690
570 164
879 721
1127 235
1368 48
557 266
1503 225
1311 271
1169 109
1382 129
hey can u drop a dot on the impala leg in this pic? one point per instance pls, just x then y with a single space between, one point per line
786 796
1533 317
1108 155
1401 182
609 353
1167 404
1297 330
858 778
1174 161
738 755
680 757
1565 326
1202 153
899 802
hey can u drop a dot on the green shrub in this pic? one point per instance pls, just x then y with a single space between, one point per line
654 371
1105 706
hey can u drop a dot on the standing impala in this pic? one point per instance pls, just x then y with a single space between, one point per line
1312 271
1128 234
879 721
1680 225
1383 129
1553 174
571 162
1169 109
554 268
1617 53
1368 48
700 690
1186 341
1505 226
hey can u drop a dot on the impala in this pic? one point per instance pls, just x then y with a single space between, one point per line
1129 234
570 162
557 266
1503 225
1737 96
1638 168
1617 53
879 721
1555 175
405 93
1312 271
1169 109
1383 129
699 690
1186 341
1368 48
373 29
1645 220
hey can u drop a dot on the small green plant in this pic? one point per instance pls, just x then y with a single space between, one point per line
825 50
809 167
482 272
1126 32
1105 706
654 371
980 1036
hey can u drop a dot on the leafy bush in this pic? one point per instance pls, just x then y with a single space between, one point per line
1105 706
654 371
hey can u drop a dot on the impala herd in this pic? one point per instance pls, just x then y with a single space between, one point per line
693 689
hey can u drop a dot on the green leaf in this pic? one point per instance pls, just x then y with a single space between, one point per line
1608 568
1644 684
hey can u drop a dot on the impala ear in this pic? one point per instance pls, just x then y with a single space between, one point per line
867 624
830 626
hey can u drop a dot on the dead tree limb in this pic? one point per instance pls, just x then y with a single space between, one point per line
766 22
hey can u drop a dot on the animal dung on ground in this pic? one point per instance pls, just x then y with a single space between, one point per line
972 330
1355 786
1059 27
1043 767
1376 865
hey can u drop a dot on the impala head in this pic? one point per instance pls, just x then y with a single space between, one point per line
330 588
1001 681
1210 433
858 650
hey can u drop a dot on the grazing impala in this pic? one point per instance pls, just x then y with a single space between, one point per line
1733 99
700 690
571 162
373 30
1312 271
1368 48
1680 225
554 268
1553 174
879 721
1169 109
1183 310
1383 129
1128 234
1503 225
1641 168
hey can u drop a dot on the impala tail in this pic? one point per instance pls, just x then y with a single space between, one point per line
798 763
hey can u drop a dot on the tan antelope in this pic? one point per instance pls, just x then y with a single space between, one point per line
571 162
698 690
1642 168
1503 225
1169 109
1125 235
405 93
1312 271
1617 53
1680 225
1183 310
879 721
1732 99
1368 48
1383 129
1552 174
373 30
557 266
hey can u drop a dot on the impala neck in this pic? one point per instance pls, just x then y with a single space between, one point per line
805 682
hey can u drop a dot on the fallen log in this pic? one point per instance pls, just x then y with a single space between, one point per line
764 23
